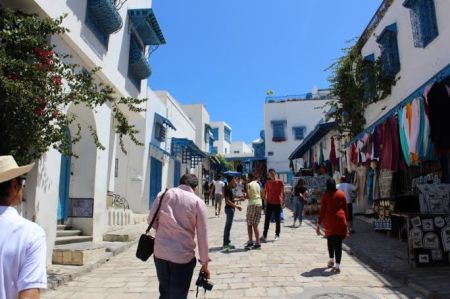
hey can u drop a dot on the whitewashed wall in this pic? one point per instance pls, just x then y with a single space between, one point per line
199 116
297 113
417 65
223 146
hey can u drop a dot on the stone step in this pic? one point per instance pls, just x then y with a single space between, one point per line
68 233
78 254
63 227
72 239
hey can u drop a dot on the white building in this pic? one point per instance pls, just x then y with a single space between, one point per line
74 190
221 132
287 120
198 114
419 32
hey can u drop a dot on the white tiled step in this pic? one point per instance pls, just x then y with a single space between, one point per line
72 239
68 233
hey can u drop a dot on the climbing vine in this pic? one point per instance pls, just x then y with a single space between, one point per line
356 82
37 84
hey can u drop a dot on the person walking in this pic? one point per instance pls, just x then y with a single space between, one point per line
22 243
182 215
333 217
230 206
274 194
206 192
253 212
349 191
299 194
218 191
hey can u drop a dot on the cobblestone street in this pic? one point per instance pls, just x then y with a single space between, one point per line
292 267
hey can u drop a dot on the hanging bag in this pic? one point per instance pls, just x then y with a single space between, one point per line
146 241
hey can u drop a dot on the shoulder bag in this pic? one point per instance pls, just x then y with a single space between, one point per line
146 241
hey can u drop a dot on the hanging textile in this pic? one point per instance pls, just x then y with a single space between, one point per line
370 186
439 107
333 158
409 120
321 158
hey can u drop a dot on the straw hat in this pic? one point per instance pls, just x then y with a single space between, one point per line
9 168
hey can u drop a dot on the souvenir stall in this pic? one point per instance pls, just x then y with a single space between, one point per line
400 167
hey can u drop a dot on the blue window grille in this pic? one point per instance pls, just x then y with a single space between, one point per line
160 132
211 145
368 77
214 150
103 19
278 130
390 57
423 21
139 67
227 134
215 133
259 150
299 132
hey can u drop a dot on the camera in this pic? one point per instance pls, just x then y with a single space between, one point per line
202 281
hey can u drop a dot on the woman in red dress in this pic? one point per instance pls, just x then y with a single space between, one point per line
333 217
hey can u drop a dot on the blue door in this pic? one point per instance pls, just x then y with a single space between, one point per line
64 187
155 179
176 173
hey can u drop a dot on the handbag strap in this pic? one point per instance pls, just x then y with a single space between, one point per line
156 213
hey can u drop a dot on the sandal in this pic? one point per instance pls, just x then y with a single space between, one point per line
336 270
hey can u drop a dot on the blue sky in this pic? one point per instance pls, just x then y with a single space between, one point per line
227 54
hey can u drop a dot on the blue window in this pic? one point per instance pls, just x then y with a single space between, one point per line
299 132
423 21
211 145
160 132
227 134
214 150
278 130
215 133
390 57
368 78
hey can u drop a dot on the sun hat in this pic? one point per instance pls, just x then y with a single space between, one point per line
9 168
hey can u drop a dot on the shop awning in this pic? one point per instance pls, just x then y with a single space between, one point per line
319 131
188 150
162 120
145 25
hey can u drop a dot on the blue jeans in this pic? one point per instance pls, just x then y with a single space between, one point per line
226 233
298 209
174 279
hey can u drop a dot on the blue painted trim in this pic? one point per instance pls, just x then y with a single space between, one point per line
312 138
144 23
165 121
388 29
155 179
156 147
439 76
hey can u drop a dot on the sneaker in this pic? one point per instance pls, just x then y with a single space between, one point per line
330 264
256 246
336 270
231 246
263 240
277 238
248 245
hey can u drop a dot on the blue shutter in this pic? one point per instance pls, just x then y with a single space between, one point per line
423 21
64 185
155 179
278 130
390 57
176 173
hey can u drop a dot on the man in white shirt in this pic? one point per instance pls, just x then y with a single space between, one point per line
22 242
218 192
349 191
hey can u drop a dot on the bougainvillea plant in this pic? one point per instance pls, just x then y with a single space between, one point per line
356 82
38 83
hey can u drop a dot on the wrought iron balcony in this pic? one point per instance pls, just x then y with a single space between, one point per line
139 67
105 15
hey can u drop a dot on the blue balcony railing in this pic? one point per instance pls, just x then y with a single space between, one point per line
139 67
105 15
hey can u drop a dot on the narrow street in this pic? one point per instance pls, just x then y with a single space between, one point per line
292 267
